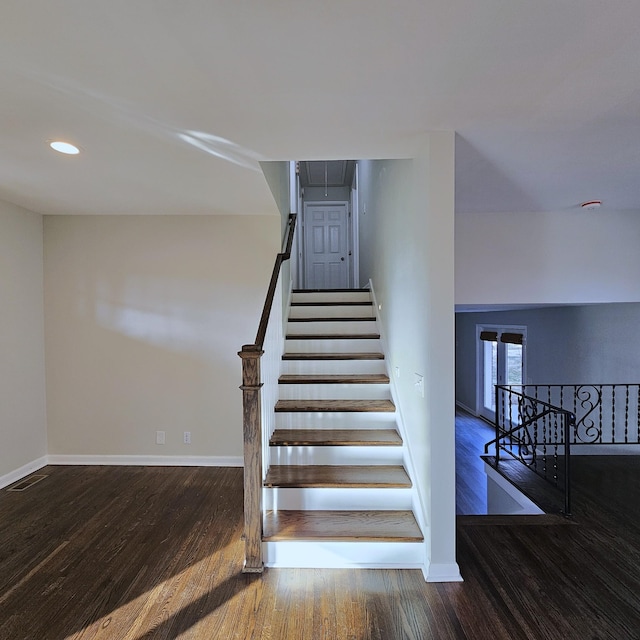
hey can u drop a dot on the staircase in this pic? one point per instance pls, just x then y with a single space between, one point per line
337 493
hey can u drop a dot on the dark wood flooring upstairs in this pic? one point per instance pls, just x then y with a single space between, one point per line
133 553
471 481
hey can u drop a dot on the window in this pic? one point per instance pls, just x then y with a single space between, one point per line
501 360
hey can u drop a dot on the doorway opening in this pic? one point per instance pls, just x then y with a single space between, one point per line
501 361
327 246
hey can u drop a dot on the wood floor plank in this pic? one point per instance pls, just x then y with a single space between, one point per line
336 476
378 526
335 437
156 553
349 406
332 303
329 291
334 378
471 480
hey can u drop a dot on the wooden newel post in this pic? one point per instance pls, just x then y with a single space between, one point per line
251 413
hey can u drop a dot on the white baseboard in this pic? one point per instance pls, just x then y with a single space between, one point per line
464 407
442 572
148 461
605 450
21 472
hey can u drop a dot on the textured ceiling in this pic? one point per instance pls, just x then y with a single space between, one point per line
174 104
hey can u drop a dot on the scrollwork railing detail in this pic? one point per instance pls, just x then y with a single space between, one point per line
589 398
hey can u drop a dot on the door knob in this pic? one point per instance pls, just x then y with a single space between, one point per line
342 258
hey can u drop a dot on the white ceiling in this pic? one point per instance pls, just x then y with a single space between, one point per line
544 97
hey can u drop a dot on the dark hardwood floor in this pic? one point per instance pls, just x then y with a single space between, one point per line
156 553
471 482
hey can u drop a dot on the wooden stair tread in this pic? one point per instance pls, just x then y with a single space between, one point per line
334 356
334 378
337 476
330 319
334 303
350 406
335 437
342 526
330 291
333 336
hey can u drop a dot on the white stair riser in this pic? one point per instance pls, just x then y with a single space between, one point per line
338 311
306 367
335 420
336 327
331 296
347 455
344 555
348 499
365 345
334 391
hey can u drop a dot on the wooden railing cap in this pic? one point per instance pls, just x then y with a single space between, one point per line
250 351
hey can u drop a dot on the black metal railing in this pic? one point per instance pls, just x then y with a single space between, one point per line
606 414
537 434
540 424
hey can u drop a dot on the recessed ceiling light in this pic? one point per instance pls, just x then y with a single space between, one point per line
64 147
591 205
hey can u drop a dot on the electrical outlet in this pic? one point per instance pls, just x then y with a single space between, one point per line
159 437
397 372
419 384
187 437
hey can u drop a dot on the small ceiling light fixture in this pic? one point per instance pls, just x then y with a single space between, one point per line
591 205
64 147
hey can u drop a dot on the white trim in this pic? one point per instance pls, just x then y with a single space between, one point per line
464 407
293 187
442 572
23 471
525 505
355 231
147 461
604 449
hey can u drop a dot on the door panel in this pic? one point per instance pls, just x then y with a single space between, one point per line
326 237
318 240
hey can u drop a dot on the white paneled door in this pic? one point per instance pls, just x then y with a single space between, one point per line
326 246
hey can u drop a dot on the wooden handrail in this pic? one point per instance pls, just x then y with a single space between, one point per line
252 419
271 291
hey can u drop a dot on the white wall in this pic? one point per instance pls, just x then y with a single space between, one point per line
564 257
144 317
406 212
23 436
277 174
317 194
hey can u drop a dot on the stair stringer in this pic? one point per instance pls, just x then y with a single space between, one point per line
418 499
